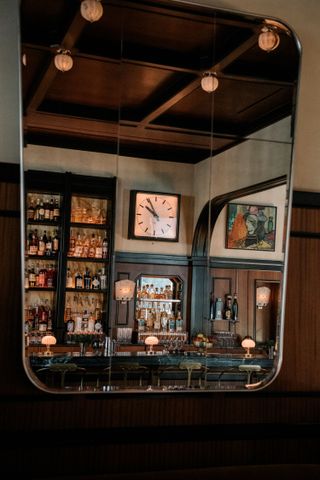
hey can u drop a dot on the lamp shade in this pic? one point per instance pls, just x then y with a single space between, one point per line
248 342
91 10
262 296
151 340
124 290
48 340
268 39
63 60
209 82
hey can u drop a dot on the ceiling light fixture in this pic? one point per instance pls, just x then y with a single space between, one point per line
63 60
209 82
268 39
91 10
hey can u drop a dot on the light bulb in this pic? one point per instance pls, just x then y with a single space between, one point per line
91 10
209 82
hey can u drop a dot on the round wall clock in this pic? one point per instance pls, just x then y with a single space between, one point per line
154 216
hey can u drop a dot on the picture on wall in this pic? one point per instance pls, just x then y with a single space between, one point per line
251 227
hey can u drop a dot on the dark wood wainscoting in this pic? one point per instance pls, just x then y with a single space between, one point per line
97 434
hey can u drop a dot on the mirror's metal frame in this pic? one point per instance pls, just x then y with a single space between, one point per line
200 242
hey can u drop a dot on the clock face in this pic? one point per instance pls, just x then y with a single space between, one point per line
156 216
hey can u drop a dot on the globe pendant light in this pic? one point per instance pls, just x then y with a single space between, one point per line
63 60
91 10
268 39
209 82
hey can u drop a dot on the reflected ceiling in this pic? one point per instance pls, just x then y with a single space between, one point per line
142 64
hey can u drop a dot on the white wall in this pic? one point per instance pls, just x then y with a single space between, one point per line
303 17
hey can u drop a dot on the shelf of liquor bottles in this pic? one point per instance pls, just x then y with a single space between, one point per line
158 307
69 241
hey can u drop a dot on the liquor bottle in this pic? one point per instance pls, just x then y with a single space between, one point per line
172 323
49 327
26 279
92 249
36 273
51 276
41 211
78 246
36 211
98 312
56 210
103 279
33 243
70 325
55 243
218 309
78 280
69 280
51 209
32 277
30 210
72 245
42 281
87 279
105 248
95 283
98 253
86 247
179 323
228 307
235 308
48 251
46 210
41 246
43 321
36 317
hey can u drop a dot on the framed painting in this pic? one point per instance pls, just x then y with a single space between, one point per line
251 227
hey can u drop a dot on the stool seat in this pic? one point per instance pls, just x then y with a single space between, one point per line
190 367
249 369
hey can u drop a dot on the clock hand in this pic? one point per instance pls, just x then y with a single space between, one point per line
151 205
153 212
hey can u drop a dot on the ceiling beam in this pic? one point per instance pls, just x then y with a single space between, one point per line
44 81
57 124
194 84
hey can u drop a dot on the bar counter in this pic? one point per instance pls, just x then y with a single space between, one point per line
136 369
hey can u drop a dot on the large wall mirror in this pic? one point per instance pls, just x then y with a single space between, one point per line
157 190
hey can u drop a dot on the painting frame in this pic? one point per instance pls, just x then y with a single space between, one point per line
251 227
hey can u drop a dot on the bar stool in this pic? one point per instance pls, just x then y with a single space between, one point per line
132 369
249 369
190 367
61 369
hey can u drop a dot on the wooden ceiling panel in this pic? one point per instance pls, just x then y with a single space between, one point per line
135 82
89 82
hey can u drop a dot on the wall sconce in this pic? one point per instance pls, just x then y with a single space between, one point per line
91 10
150 342
48 340
63 60
248 343
268 39
262 297
209 82
124 290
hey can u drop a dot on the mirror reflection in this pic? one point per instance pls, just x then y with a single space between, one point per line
157 161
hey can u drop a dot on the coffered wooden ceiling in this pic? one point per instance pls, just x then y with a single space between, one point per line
134 88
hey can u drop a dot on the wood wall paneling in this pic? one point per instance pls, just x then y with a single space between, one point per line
86 434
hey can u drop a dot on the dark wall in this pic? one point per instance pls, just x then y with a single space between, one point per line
91 435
